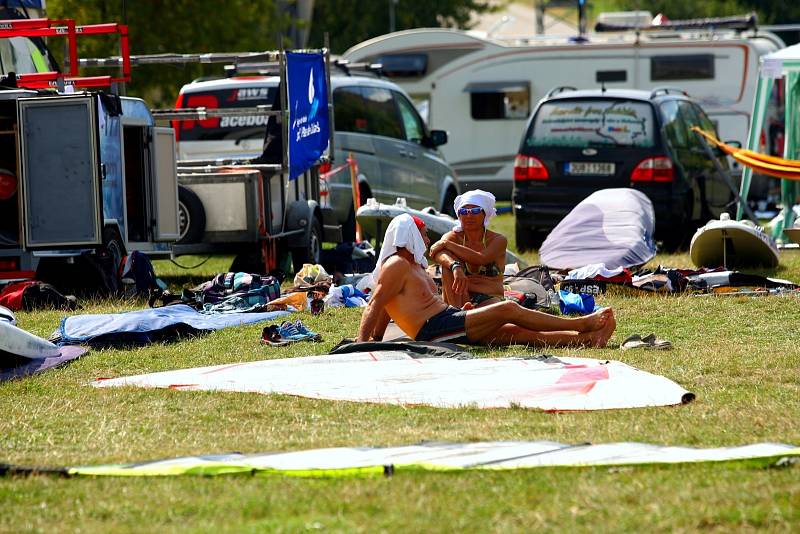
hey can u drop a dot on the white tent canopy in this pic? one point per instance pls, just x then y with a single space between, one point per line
784 64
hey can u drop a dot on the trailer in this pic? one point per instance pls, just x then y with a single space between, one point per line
251 207
86 173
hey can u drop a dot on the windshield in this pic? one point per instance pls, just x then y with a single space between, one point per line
227 128
593 122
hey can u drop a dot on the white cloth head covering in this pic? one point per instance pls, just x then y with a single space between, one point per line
477 197
402 232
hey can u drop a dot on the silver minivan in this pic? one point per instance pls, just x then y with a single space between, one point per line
374 120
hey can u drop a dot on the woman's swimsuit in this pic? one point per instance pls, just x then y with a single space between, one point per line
490 269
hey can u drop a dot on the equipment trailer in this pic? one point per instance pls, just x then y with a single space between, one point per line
86 174
244 206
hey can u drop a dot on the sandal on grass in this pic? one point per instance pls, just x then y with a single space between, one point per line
649 341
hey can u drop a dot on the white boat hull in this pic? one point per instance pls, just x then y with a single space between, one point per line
733 244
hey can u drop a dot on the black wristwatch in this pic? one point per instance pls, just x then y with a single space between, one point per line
455 265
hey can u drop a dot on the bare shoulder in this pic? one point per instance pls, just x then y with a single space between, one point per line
394 266
451 236
492 236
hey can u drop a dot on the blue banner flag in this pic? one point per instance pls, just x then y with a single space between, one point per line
308 110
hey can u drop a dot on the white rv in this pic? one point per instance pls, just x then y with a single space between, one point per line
483 90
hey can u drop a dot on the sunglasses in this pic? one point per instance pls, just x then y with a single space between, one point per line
469 211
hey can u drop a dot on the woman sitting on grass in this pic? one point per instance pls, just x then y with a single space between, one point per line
472 257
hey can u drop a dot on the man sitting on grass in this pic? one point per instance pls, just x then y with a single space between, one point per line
405 293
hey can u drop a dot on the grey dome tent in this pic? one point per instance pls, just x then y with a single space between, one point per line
611 226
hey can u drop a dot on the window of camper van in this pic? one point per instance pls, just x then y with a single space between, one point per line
403 65
499 100
595 122
226 128
684 67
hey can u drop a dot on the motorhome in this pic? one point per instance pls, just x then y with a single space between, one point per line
482 90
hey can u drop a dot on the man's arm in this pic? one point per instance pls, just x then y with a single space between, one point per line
391 279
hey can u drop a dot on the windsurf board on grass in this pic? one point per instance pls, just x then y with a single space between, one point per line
374 217
732 244
17 341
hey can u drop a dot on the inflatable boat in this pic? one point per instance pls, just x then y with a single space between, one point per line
732 244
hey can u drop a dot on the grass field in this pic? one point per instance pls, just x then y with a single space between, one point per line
739 356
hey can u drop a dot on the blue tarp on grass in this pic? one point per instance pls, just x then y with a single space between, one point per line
149 325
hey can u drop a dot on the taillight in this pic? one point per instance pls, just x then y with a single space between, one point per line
657 169
9 264
529 168
176 125
8 184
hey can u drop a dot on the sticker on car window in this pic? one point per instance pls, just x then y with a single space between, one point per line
593 123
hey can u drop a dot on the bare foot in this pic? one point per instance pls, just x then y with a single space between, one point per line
600 337
595 321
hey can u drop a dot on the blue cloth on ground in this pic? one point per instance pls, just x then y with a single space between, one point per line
580 303
152 324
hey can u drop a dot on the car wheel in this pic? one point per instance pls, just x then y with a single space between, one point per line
310 252
447 205
191 216
681 230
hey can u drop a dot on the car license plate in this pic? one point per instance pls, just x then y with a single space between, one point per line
589 168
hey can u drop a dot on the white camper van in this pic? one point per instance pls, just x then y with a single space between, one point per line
481 91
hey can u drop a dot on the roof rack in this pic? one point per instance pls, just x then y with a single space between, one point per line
270 57
560 89
667 91
738 23
346 66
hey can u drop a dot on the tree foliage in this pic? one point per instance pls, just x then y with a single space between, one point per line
349 22
183 26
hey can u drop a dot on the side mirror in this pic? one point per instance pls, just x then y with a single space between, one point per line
438 138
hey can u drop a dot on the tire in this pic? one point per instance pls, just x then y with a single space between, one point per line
191 216
311 251
447 205
527 238
113 246
681 230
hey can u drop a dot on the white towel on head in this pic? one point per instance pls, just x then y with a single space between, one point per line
476 197
402 232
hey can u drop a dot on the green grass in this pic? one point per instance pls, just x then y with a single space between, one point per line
738 355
